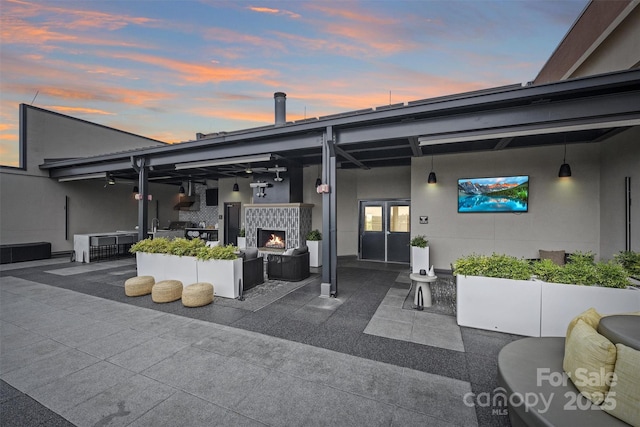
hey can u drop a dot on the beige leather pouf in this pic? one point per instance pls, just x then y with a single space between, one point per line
138 286
166 291
197 295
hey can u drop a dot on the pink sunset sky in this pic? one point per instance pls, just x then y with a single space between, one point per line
167 69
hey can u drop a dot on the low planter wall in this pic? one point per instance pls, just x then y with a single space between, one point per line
534 308
502 305
561 303
225 275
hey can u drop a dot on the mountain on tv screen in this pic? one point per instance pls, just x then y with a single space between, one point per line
499 194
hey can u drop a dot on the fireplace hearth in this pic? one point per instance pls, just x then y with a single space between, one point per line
271 239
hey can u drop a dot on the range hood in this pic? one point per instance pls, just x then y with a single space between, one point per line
190 202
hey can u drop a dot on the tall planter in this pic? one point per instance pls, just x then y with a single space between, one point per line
315 253
167 267
242 242
151 265
225 275
419 259
561 303
502 305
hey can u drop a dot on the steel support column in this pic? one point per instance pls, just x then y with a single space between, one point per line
139 164
329 286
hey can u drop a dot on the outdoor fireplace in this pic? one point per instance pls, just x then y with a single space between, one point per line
272 239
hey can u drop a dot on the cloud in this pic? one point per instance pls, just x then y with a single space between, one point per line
195 72
76 110
272 11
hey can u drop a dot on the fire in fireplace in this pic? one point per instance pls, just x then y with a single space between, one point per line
274 239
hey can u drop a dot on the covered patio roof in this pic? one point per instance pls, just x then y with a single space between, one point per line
580 110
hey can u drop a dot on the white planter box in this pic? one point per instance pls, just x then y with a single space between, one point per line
419 259
151 265
242 242
182 268
224 275
315 253
502 305
561 303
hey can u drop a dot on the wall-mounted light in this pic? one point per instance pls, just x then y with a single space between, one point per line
432 175
235 186
565 169
135 191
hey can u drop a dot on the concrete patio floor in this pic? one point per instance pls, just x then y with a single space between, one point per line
74 350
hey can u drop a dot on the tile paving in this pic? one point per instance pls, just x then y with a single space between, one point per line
75 351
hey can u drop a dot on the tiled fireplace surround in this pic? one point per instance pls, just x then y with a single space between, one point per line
293 218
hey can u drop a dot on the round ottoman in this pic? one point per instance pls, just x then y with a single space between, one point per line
139 285
166 291
197 295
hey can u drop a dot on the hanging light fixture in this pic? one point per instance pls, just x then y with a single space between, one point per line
248 169
181 190
235 186
135 191
318 180
432 175
111 180
565 169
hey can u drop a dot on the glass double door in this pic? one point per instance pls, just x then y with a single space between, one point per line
385 230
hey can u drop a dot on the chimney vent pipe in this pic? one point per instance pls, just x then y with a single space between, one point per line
281 108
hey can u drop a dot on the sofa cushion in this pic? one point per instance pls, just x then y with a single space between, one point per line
250 253
300 250
591 317
624 393
557 257
589 358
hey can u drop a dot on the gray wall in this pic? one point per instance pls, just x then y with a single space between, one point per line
564 213
32 206
620 158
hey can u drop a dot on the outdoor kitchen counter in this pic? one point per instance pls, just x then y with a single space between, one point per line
82 243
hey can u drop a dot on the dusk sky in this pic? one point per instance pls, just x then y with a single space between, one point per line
167 69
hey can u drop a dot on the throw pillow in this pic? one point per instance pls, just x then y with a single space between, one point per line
557 257
591 317
589 360
623 399
289 252
301 250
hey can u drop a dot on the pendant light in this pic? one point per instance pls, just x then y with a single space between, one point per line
181 190
318 180
135 189
235 186
565 169
432 175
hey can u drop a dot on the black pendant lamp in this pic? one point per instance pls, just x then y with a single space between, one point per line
318 180
432 175
565 169
235 186
181 190
135 189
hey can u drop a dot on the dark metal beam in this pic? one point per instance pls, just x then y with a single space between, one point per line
329 285
352 159
415 147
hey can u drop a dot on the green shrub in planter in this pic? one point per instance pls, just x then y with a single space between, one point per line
217 252
419 241
611 275
185 247
496 265
242 233
314 235
159 245
630 261
547 271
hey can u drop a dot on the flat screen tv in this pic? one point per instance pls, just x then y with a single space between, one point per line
499 194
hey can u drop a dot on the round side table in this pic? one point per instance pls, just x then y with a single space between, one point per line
422 290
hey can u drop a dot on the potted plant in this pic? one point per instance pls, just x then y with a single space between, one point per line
419 254
496 293
314 243
190 261
242 239
538 298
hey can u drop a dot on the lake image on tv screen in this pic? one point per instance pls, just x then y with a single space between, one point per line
501 194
